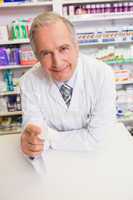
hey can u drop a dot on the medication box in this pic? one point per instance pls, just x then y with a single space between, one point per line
3 33
121 75
10 1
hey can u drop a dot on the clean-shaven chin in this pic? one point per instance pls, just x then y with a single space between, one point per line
60 70
63 71
62 75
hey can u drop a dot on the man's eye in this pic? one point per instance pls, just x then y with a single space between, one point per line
64 49
44 54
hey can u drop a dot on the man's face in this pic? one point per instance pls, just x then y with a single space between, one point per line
57 51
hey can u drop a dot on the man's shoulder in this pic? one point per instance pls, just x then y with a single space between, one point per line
93 65
34 73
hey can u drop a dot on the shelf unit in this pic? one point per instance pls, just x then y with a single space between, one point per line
104 43
15 131
26 41
127 122
25 4
23 10
9 93
102 20
99 17
124 82
19 41
89 1
4 67
4 114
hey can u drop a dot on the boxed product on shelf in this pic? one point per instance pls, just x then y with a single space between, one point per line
8 78
11 82
14 103
117 34
2 86
116 55
9 56
3 105
3 57
3 33
19 28
10 124
97 8
124 103
27 56
129 91
13 56
12 1
121 75
10 103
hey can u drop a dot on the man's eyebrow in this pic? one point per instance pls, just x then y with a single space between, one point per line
44 51
64 45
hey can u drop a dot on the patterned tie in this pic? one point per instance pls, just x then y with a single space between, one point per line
66 92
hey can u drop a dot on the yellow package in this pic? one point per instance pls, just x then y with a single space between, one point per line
1 1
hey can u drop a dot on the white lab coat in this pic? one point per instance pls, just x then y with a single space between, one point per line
82 126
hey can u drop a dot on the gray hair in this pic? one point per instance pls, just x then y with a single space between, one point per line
45 19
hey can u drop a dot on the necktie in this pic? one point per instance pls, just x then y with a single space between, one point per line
66 92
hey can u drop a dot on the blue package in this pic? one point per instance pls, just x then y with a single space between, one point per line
10 1
14 58
3 57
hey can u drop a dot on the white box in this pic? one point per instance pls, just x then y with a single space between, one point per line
3 33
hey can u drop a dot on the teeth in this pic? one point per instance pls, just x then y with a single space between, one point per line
60 69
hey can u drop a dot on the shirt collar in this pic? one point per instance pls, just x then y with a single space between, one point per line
70 82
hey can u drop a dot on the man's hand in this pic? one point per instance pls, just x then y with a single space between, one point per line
31 143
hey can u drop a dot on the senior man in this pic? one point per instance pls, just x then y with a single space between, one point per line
70 95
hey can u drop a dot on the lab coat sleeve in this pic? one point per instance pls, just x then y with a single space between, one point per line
31 112
101 118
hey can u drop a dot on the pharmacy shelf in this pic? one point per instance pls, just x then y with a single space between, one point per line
26 41
124 82
120 62
4 114
17 131
15 67
9 93
100 17
15 41
89 1
125 120
25 4
104 43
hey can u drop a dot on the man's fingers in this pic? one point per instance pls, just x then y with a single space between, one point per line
34 140
31 153
31 144
32 149
35 148
31 140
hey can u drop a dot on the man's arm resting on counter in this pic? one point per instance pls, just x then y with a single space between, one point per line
102 116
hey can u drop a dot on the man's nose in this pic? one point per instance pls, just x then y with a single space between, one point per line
57 60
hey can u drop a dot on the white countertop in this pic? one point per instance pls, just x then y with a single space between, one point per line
106 174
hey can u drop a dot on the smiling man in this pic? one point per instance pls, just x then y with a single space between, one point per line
56 50
69 95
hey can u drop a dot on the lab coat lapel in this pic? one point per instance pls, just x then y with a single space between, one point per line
56 95
78 88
